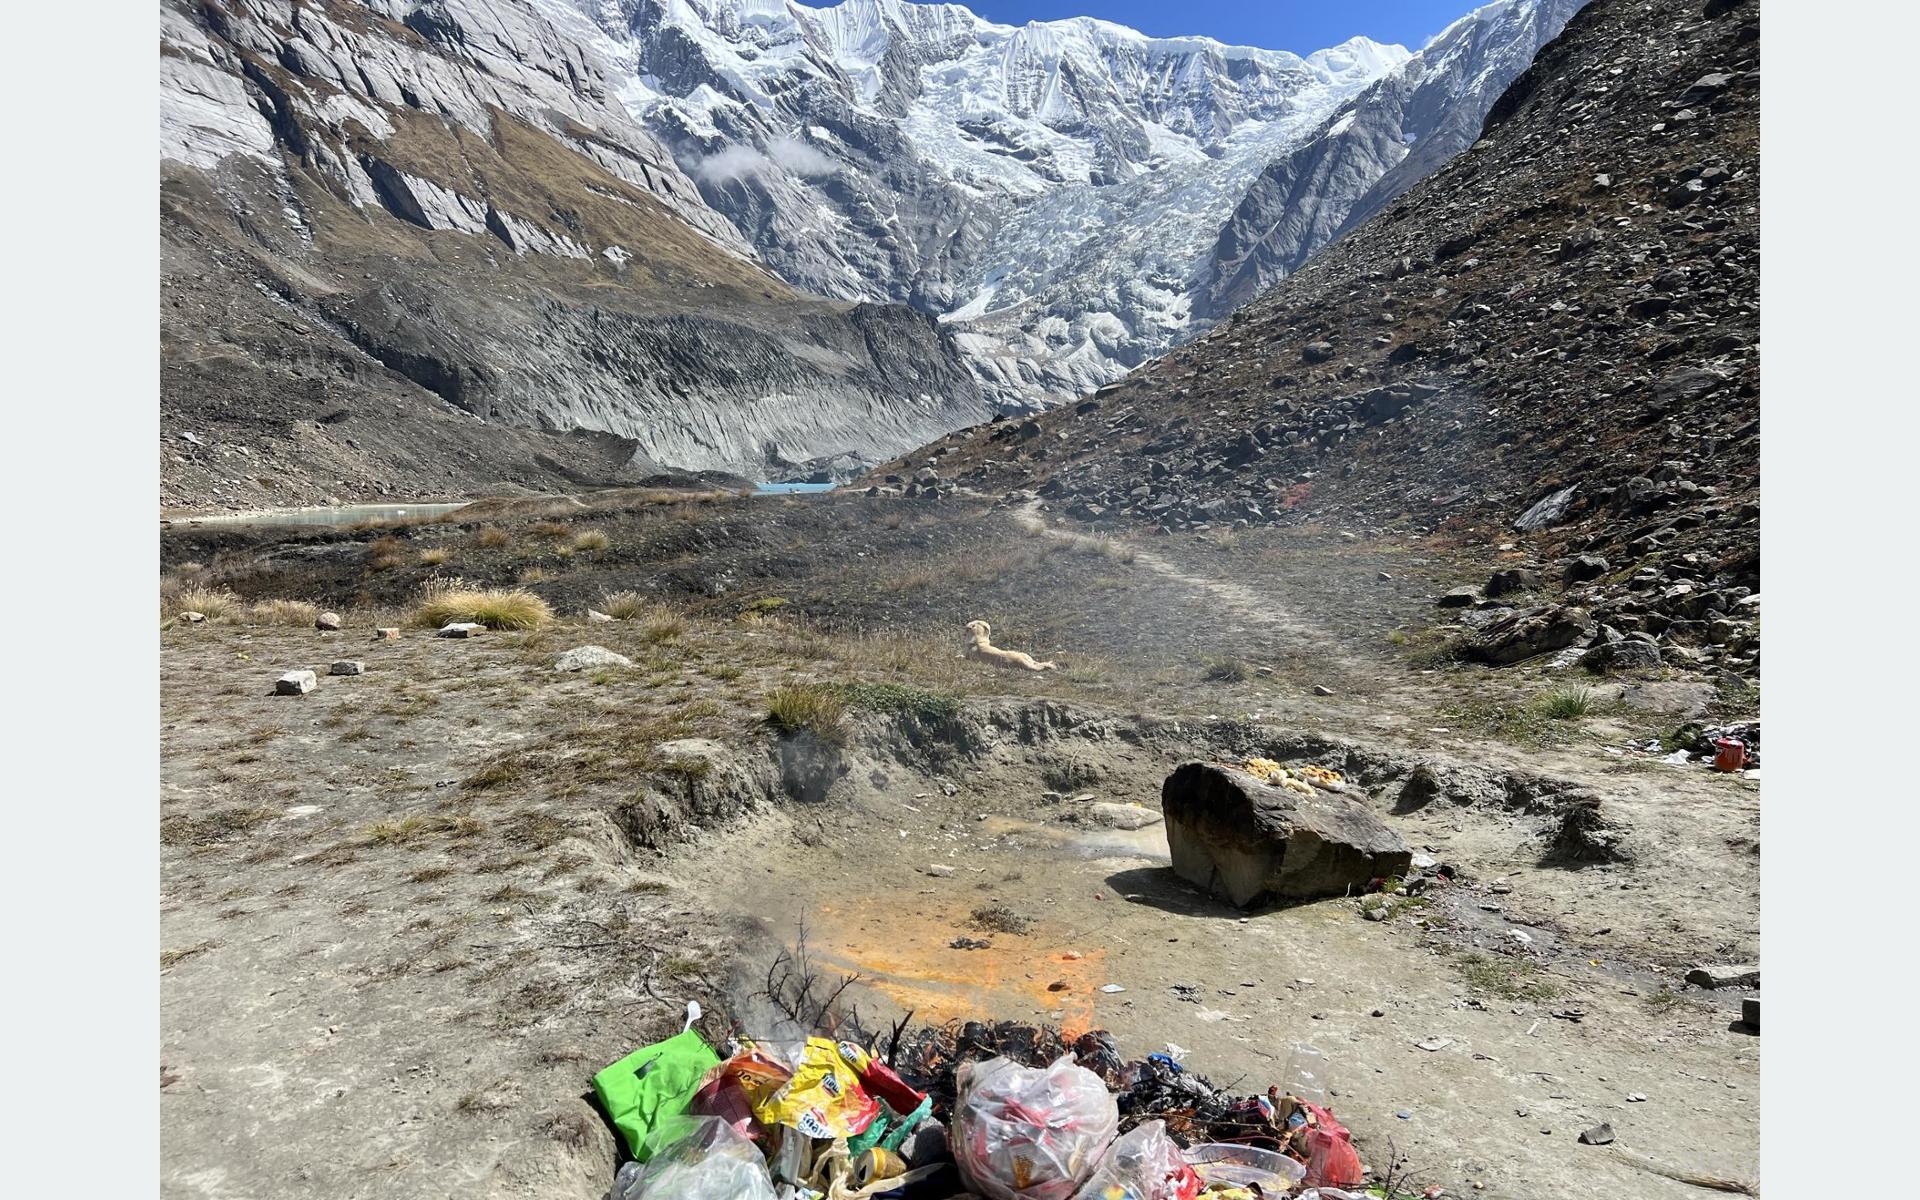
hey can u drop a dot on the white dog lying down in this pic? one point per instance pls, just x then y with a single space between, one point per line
980 647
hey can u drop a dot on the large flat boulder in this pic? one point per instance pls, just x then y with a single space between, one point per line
1245 840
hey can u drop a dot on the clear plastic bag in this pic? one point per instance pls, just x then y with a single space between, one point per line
699 1158
1144 1164
1025 1133
1225 1162
1307 1075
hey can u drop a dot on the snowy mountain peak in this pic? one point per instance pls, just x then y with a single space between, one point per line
1361 56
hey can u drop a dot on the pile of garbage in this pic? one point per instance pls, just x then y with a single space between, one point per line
1001 1111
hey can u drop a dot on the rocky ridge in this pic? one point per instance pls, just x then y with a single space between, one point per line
1383 141
1550 347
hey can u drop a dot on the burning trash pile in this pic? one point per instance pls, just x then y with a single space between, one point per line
996 1112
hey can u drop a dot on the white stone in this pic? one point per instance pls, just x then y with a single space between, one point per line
462 629
582 658
1123 816
295 683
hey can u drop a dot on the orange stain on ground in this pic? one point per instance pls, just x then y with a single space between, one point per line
900 946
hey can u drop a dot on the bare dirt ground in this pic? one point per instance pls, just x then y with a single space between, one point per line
407 915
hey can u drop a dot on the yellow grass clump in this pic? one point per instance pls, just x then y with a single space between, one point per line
297 613
591 540
447 601
435 557
214 603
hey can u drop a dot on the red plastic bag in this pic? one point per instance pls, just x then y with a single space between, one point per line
1331 1159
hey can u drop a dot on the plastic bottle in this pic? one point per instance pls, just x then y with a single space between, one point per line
1307 1075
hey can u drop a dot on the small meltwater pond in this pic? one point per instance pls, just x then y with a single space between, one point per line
344 514
349 514
792 489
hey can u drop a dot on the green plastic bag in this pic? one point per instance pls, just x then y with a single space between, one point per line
653 1084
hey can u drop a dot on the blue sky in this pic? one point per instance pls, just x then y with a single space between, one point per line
1301 26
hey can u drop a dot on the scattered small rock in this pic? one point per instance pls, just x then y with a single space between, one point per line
582 658
386 635
1599 1135
191 618
327 620
348 666
1723 975
1320 689
295 683
595 616
462 629
940 871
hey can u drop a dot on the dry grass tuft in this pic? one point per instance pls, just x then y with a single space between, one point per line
591 541
491 537
435 557
809 708
292 613
216 604
625 606
446 601
384 554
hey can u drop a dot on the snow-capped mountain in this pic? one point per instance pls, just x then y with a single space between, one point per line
1072 197
588 195
1382 142
1056 187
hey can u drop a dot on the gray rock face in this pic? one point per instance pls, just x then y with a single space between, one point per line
1239 838
348 666
1383 141
1512 579
1528 633
1726 975
584 658
453 257
295 683
327 621
1628 654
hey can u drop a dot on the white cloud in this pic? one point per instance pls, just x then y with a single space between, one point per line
788 154
800 158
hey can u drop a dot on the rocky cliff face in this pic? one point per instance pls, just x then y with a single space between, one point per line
1550 346
1052 191
421 247
1382 142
